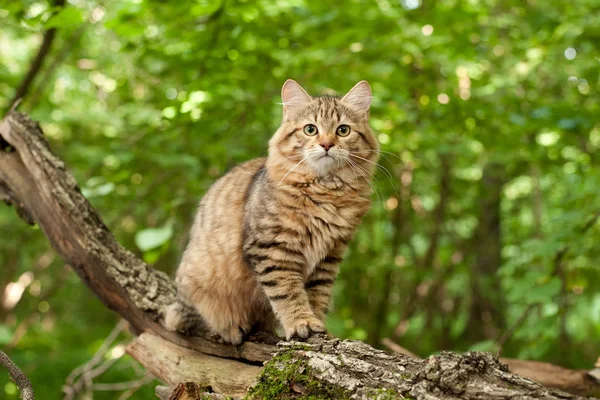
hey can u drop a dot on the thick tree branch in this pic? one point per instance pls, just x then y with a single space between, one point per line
578 382
39 183
17 376
9 198
178 364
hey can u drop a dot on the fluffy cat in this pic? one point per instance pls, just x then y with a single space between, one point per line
268 236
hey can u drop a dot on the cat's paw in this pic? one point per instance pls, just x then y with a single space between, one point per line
234 336
303 328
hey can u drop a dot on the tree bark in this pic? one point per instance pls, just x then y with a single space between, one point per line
34 180
579 382
20 379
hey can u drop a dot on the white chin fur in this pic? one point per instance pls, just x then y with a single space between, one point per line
323 165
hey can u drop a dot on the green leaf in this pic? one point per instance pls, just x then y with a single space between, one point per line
486 345
544 292
152 238
99 191
204 7
5 334
66 18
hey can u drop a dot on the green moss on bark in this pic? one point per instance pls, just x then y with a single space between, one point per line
386 394
288 376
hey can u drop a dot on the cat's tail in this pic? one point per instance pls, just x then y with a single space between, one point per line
182 317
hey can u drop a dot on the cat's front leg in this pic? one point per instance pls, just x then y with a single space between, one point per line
283 283
319 284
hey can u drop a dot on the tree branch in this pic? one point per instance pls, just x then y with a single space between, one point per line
439 214
37 62
578 382
561 298
39 89
23 383
83 375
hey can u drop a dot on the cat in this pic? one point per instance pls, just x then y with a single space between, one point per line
268 236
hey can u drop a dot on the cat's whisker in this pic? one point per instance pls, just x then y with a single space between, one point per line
375 185
387 173
353 171
389 153
277 187
356 167
306 157
365 174
383 155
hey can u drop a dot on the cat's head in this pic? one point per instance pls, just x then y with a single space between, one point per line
325 135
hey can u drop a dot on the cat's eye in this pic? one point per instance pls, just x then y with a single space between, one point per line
343 130
310 130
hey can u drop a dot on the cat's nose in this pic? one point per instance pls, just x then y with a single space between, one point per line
326 146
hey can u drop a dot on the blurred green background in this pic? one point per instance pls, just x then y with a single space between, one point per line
483 230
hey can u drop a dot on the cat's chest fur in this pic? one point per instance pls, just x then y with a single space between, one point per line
331 211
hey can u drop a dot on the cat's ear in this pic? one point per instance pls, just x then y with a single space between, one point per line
359 96
293 96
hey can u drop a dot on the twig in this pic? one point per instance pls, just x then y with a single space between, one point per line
115 387
88 371
127 394
39 89
15 104
37 62
538 201
509 332
23 383
396 348
559 272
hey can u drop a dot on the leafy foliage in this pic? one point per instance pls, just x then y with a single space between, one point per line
487 111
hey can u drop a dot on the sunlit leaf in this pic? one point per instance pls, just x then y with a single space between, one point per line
152 238
69 16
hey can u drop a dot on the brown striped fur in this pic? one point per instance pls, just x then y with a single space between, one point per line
269 235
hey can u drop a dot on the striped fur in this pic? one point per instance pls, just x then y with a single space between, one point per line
268 237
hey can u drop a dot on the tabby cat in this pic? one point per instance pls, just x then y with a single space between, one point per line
268 236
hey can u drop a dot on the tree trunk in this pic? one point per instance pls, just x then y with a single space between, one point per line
36 182
486 320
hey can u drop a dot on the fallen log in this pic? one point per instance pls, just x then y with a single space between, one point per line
37 183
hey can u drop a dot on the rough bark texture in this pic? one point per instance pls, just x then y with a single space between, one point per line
579 382
187 391
344 369
37 183
20 379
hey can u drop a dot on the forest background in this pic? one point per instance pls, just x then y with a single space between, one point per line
483 232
